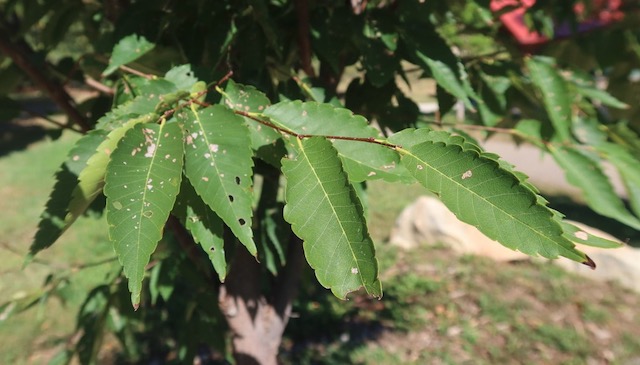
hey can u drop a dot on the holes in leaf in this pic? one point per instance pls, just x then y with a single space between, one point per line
212 249
231 198
238 180
242 222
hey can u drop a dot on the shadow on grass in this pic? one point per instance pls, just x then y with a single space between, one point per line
18 135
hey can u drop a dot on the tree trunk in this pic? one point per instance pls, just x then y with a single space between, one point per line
257 322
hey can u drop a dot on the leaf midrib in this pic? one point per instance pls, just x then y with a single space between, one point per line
144 195
471 192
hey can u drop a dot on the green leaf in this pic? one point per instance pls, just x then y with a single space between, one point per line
325 213
142 182
361 160
555 93
152 88
53 221
149 94
588 131
205 226
447 79
129 49
162 280
623 135
585 87
263 140
219 166
274 233
585 174
92 319
577 235
627 166
482 193
492 91
91 179
182 77
378 60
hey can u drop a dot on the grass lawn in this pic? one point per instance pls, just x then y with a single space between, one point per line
437 308
25 181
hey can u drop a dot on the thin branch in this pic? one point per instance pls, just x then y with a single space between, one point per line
304 45
482 128
303 136
22 55
98 85
222 80
194 98
136 72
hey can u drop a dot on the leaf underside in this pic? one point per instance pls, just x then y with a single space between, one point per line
142 182
219 165
325 212
483 194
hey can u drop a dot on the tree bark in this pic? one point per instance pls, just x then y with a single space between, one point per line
257 321
258 313
304 30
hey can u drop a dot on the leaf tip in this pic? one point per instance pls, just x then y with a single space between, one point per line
28 259
589 262
135 300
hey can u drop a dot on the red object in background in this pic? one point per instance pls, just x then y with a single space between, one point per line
606 11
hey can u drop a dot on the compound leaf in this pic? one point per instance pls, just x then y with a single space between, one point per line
480 192
219 166
325 212
142 182
361 160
